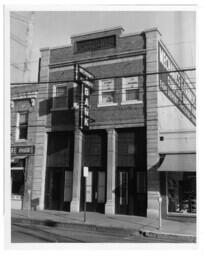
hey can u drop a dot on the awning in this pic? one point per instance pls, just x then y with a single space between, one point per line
16 158
178 163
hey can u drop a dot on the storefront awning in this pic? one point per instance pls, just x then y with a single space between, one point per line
178 163
16 158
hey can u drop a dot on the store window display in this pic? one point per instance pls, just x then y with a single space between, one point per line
181 191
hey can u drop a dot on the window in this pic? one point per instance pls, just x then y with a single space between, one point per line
106 92
60 97
22 126
181 192
130 90
17 177
96 44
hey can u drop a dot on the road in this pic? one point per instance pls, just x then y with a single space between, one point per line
24 233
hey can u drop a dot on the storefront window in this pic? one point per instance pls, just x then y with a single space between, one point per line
181 191
17 177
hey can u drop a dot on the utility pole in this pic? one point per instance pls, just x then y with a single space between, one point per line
26 43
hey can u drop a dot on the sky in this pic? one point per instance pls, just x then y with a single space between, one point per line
52 29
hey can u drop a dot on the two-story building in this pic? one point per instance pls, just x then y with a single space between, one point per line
23 126
126 151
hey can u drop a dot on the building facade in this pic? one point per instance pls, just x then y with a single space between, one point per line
126 151
23 118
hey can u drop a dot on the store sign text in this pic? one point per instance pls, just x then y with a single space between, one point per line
176 86
22 150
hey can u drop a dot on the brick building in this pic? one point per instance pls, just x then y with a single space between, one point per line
126 151
23 140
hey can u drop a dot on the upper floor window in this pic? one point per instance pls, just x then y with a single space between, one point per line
96 44
60 97
130 90
107 92
22 126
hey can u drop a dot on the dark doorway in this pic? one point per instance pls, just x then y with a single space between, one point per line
58 192
59 172
130 192
95 190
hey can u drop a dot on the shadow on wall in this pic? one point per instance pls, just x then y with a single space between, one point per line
35 203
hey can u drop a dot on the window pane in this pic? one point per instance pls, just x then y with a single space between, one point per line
141 182
68 180
131 82
101 187
17 182
108 97
23 132
23 118
123 188
61 98
182 192
132 94
61 91
108 85
89 188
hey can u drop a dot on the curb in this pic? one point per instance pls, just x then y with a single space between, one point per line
169 236
77 226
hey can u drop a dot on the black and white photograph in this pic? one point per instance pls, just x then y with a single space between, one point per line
102 125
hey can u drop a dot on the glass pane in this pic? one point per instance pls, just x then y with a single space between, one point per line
101 187
23 118
61 91
89 184
108 97
131 82
17 182
23 132
68 186
108 85
141 182
132 94
123 188
182 192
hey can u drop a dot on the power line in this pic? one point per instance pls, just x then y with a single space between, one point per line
116 92
109 77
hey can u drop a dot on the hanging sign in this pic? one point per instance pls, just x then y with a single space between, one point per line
84 79
22 150
176 85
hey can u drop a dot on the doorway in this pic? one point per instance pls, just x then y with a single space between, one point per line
95 190
58 193
131 196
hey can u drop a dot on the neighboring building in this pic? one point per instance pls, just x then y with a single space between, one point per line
23 120
129 147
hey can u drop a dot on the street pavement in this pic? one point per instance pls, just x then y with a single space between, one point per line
24 233
126 226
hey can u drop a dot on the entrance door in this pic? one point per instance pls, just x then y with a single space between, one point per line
96 190
58 189
122 191
131 192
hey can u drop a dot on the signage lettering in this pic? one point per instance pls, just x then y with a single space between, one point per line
22 150
176 85
84 79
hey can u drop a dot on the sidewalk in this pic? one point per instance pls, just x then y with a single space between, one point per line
118 224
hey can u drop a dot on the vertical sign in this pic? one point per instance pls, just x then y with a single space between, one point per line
84 79
176 86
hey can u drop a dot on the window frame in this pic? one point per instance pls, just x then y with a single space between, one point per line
54 98
18 126
101 91
124 100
